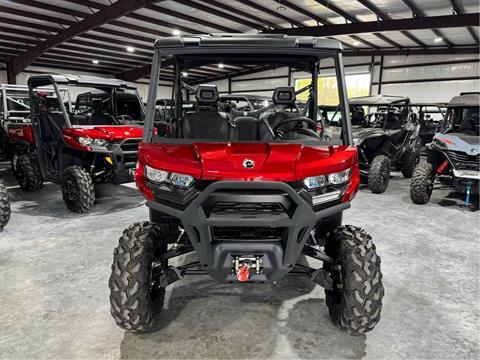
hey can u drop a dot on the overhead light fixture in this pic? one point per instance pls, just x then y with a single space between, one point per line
438 39
220 66
176 32
184 74
130 49
95 62
356 43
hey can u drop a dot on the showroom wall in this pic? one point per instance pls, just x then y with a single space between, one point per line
435 78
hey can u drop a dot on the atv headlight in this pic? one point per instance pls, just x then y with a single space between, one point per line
160 176
92 142
155 175
339 178
181 180
357 141
315 182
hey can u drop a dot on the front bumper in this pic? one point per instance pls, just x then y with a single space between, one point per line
123 157
218 226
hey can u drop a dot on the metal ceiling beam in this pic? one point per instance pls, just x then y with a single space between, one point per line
416 23
416 51
192 19
241 13
459 9
148 19
420 13
222 14
118 9
383 16
270 12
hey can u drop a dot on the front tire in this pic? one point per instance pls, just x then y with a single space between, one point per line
379 174
421 185
77 189
410 160
4 206
28 174
355 302
136 296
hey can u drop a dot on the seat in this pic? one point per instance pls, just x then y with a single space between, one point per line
358 115
98 116
206 122
285 97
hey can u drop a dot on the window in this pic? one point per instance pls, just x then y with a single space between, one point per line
357 85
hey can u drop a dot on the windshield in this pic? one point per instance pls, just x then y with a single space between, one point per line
464 119
247 110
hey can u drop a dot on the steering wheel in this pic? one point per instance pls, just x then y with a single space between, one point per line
310 123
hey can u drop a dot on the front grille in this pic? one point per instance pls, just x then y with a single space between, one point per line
248 233
225 208
130 144
462 161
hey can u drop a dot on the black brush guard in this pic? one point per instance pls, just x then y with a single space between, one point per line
279 256
124 158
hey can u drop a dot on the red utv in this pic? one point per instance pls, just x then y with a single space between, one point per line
77 147
248 191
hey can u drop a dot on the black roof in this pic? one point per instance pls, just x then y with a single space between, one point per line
258 41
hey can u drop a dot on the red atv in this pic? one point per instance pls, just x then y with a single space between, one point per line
95 141
248 191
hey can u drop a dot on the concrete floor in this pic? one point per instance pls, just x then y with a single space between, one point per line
54 267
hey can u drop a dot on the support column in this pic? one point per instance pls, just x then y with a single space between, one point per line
11 77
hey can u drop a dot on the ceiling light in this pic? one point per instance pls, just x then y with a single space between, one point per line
220 66
130 49
438 39
176 32
95 62
184 74
356 43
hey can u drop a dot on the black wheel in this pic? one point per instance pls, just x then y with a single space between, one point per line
355 302
421 185
4 205
136 294
379 174
410 159
28 173
77 189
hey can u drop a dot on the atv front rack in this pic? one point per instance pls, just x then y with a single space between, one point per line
262 205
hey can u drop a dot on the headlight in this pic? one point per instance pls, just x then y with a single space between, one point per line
339 178
160 176
316 182
155 175
92 142
181 180
357 141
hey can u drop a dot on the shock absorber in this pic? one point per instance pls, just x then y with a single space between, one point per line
469 190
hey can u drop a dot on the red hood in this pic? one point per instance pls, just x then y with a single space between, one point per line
224 161
109 133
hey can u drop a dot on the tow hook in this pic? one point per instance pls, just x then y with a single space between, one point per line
243 265
243 273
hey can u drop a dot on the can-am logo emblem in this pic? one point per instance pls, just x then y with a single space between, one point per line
473 150
248 164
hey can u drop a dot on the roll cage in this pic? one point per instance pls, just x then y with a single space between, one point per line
302 53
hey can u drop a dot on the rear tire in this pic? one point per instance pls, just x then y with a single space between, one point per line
379 174
77 189
421 185
410 160
355 302
28 173
4 206
136 297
